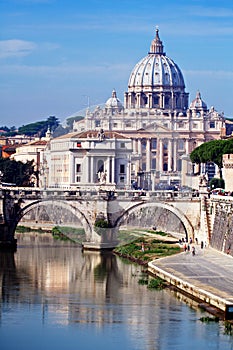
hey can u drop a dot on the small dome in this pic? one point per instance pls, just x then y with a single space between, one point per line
198 103
114 102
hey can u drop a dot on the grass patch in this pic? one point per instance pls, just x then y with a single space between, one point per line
157 283
143 281
208 319
153 249
25 229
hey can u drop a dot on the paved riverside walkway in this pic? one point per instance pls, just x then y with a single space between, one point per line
208 271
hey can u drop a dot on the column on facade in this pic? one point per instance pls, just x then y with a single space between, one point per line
139 146
174 154
126 100
161 155
72 169
150 101
85 170
169 155
158 155
187 146
162 102
107 169
134 146
91 170
128 174
113 169
173 106
148 155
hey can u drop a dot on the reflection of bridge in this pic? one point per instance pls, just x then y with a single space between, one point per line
101 211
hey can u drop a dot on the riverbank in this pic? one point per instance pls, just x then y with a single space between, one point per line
205 277
148 245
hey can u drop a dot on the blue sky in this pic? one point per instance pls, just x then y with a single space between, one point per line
58 55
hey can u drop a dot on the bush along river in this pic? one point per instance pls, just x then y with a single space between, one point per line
56 296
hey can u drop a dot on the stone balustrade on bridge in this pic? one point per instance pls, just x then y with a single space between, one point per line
175 212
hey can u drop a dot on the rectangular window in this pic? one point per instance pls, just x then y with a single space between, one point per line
79 144
181 144
122 168
212 125
78 179
153 163
156 100
154 143
122 145
122 179
78 168
115 125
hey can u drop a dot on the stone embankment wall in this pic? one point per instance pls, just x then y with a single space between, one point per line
222 234
154 217
54 214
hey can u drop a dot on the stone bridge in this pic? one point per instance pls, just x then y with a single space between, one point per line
102 210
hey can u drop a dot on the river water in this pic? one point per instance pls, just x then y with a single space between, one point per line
54 296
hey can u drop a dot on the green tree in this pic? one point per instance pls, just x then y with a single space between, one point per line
39 128
52 122
212 151
217 183
15 172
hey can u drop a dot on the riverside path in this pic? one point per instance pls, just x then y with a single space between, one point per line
206 276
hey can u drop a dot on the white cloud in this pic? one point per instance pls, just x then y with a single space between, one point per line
218 74
16 48
66 69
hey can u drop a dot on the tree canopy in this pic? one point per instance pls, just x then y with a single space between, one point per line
212 151
39 128
15 172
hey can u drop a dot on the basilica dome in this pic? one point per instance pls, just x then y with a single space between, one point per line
158 80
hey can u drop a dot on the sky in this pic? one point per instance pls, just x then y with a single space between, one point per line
57 57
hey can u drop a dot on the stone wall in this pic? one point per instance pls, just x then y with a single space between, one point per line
222 234
154 217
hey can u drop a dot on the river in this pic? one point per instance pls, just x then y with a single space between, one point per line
54 296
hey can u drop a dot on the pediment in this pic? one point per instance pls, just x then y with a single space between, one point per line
156 127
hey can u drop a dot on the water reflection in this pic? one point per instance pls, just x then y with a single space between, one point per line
56 284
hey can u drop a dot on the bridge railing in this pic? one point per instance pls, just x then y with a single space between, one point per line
94 192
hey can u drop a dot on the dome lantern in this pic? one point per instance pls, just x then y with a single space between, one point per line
157 44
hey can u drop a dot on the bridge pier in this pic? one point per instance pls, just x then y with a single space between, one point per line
104 234
7 240
9 208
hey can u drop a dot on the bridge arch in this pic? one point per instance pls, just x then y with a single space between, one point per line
140 208
65 205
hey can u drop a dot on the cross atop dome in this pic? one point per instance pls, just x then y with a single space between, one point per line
157 44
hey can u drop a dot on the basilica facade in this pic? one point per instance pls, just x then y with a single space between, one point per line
158 119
